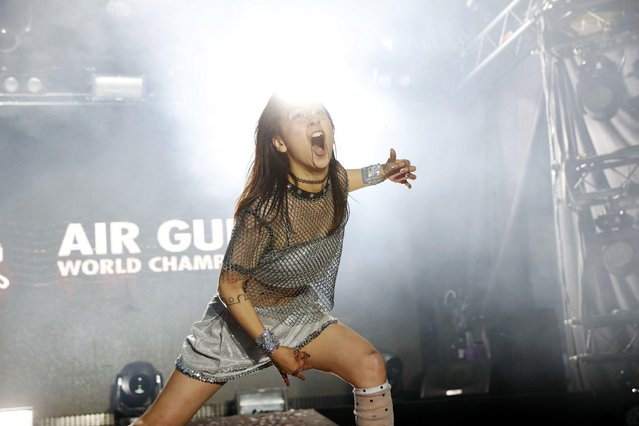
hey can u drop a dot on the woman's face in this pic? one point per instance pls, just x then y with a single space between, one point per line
307 137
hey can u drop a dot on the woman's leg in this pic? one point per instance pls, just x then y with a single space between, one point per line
341 351
178 401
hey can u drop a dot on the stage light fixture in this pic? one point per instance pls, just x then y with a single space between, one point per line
34 85
620 252
256 401
601 90
16 84
11 84
22 416
116 87
618 244
593 22
459 377
8 40
137 386
614 221
15 23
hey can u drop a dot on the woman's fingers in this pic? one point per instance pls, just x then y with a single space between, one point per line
392 156
285 378
398 167
299 376
301 360
303 357
295 373
403 178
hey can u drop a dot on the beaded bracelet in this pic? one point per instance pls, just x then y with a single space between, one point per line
267 342
372 175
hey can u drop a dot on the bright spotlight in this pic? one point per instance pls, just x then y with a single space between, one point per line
117 87
34 85
11 84
16 416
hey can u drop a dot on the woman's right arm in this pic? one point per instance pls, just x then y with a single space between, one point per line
288 361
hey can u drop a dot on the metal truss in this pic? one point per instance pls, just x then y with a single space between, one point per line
605 179
600 338
511 35
502 38
589 24
603 193
61 99
603 335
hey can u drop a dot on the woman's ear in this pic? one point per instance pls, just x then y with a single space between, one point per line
279 144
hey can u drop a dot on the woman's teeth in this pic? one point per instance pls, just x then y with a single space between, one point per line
317 142
317 138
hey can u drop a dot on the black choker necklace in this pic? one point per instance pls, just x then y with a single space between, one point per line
310 181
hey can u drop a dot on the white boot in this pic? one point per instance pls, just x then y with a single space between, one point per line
374 406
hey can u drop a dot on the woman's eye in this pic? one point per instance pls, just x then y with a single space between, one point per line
298 116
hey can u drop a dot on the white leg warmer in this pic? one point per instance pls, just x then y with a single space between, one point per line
373 406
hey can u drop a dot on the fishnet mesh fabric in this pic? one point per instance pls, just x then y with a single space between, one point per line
288 263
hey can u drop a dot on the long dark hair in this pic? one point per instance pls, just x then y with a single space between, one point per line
268 176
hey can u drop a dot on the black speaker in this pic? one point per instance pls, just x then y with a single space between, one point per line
458 377
526 353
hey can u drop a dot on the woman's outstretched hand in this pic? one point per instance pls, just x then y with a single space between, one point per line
399 171
291 362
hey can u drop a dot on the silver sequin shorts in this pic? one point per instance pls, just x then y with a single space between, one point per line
219 350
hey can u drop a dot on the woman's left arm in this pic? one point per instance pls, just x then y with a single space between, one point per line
399 171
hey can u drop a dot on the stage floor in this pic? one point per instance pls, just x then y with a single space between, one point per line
290 417
551 409
561 409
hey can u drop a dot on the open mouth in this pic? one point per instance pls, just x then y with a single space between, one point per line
318 143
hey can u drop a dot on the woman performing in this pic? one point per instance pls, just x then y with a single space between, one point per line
277 281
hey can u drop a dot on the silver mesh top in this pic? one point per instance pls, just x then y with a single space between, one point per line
289 262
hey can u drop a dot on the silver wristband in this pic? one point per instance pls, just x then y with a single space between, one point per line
372 175
267 342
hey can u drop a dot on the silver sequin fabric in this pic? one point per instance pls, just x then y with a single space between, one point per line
289 264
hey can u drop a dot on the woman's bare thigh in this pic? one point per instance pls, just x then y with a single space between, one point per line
341 351
178 401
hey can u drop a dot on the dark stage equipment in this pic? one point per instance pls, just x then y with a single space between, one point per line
458 377
394 371
526 353
617 250
600 89
137 386
257 401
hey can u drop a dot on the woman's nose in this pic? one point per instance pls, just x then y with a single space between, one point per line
313 118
